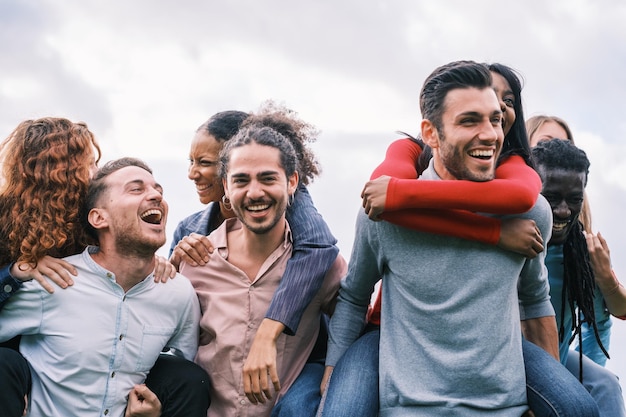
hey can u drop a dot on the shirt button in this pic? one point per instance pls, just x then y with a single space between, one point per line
242 402
106 412
113 374
121 336
109 275
7 288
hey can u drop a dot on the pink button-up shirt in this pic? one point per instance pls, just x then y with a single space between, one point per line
232 310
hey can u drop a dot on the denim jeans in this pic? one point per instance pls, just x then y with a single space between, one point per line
551 389
601 383
353 386
303 397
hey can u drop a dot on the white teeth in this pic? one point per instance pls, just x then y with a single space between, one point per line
485 153
559 226
152 216
258 207
200 187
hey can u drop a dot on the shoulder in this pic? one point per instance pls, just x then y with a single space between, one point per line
197 222
541 213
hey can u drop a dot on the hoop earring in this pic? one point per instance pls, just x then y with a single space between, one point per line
226 202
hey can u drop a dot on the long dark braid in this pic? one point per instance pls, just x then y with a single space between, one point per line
578 288
578 279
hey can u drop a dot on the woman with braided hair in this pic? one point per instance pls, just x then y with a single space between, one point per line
579 268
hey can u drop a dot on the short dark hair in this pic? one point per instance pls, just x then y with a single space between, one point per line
457 74
224 125
265 136
97 187
561 153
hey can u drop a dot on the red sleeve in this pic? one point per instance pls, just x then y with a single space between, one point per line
514 190
400 160
456 223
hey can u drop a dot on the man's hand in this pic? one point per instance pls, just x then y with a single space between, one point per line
374 196
193 249
163 269
48 268
260 366
521 236
142 403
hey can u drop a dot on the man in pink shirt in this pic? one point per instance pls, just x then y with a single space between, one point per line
249 373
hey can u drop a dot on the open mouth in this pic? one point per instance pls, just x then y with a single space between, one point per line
559 226
152 216
482 154
258 207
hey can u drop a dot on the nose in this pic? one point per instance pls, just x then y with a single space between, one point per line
562 210
192 172
489 133
155 194
255 190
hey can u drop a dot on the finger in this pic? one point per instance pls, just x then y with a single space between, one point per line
274 377
43 282
247 387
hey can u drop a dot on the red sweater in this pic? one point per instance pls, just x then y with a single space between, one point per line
446 207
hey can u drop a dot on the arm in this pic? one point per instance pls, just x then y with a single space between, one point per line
514 190
8 285
314 251
22 313
48 268
186 337
536 311
612 290
543 333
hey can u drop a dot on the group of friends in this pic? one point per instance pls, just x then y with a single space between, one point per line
478 231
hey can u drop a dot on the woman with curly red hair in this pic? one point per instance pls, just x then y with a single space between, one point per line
46 167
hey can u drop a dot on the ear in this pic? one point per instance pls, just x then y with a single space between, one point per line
292 183
430 136
97 218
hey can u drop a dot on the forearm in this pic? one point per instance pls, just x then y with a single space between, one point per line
314 251
614 295
542 332
8 285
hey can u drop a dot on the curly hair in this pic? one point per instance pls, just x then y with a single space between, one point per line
287 123
45 174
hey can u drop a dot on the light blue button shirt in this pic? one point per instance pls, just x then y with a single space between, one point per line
89 344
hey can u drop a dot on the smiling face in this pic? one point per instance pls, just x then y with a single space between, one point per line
203 167
470 139
132 212
258 187
506 98
547 131
564 191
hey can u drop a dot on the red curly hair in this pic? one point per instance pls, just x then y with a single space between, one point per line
46 166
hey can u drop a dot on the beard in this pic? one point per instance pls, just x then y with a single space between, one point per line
263 226
133 243
455 161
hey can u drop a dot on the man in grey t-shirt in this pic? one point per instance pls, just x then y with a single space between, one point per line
450 340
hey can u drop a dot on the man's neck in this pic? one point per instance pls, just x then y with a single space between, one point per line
129 270
249 251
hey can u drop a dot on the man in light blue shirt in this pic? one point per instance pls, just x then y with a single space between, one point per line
91 348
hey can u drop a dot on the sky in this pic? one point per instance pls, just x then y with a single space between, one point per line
144 74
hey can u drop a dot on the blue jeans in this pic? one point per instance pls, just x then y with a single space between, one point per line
353 387
551 389
601 383
303 397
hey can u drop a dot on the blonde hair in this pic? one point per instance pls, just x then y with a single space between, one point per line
532 126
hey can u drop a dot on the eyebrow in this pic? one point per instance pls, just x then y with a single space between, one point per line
143 183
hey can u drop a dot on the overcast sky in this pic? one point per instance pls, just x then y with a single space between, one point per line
144 74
